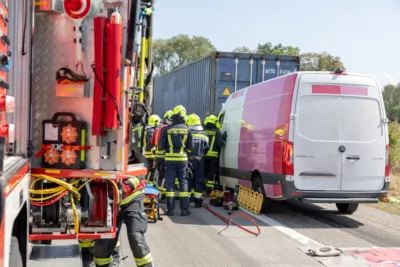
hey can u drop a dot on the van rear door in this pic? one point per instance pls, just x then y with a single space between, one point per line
364 139
317 163
346 150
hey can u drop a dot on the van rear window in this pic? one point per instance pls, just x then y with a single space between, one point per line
339 118
361 119
319 117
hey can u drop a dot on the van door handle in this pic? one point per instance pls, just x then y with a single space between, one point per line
353 157
316 174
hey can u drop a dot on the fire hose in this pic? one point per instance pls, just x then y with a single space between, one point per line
59 192
231 222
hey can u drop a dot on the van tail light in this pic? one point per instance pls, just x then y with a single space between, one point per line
387 162
287 158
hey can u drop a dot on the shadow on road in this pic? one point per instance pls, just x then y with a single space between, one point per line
282 212
328 216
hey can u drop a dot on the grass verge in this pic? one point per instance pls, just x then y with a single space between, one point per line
394 192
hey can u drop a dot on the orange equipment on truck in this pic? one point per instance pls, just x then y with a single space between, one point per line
77 90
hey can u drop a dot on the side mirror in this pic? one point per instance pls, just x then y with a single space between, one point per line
2 154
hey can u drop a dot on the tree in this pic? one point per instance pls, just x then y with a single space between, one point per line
174 52
242 49
278 50
391 99
308 61
320 62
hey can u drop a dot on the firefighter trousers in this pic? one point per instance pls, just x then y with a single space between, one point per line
87 253
150 169
211 166
160 165
136 226
198 178
177 169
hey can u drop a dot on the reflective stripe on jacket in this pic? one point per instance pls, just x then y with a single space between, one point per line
176 140
147 146
200 142
215 140
159 154
132 188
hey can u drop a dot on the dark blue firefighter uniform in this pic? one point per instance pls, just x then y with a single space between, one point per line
211 159
176 141
196 158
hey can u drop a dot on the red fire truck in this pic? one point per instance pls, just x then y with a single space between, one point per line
75 84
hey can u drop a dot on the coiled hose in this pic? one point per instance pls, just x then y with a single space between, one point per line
58 192
230 222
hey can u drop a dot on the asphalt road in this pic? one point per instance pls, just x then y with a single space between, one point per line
286 231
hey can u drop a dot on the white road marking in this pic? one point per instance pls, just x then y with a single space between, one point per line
293 234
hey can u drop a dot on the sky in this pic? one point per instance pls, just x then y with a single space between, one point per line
365 34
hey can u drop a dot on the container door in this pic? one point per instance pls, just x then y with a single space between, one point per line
231 75
364 143
317 137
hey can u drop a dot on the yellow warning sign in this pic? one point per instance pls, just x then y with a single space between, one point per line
226 92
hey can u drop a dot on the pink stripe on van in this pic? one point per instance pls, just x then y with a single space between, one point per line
339 90
237 94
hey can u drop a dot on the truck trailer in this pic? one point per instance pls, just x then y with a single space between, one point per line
203 86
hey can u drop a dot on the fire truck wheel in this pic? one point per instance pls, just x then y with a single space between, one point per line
15 254
258 186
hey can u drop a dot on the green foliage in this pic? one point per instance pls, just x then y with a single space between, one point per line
394 141
320 62
391 98
174 52
242 49
308 61
279 49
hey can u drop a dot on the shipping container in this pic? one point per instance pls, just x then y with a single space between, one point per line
204 85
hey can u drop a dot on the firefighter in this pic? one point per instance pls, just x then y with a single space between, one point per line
176 141
211 159
196 157
148 148
87 253
159 155
133 215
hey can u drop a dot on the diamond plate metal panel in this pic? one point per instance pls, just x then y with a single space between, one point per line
53 48
18 77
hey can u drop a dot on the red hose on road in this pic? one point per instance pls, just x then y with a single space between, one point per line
230 222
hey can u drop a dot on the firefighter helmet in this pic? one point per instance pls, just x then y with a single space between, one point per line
193 120
211 119
179 110
167 114
154 120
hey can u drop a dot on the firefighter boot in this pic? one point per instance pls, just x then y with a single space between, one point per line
169 212
185 212
198 203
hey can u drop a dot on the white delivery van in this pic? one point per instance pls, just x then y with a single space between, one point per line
319 137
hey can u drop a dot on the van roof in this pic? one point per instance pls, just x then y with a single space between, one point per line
330 72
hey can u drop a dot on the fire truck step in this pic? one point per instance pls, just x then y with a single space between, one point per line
63 255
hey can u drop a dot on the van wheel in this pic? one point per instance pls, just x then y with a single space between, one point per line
347 208
258 186
15 254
